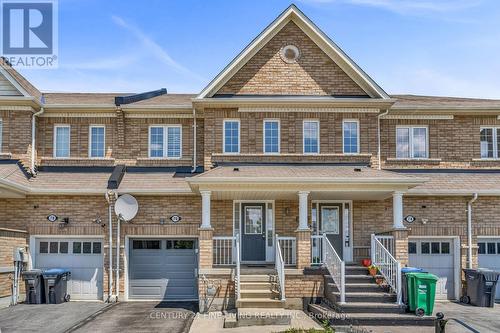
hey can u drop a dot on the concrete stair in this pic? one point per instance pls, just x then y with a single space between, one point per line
257 317
259 290
367 304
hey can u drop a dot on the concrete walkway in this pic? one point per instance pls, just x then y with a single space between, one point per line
213 323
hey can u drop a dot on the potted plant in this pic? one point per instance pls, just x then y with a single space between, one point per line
372 269
366 262
379 280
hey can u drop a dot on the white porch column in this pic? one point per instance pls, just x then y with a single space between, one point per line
303 210
205 209
397 210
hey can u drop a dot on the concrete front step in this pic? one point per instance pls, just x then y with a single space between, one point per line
349 278
358 287
256 285
371 307
263 303
356 270
258 317
258 293
322 312
257 278
378 297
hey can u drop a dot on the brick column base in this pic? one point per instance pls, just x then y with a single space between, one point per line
401 246
303 238
206 247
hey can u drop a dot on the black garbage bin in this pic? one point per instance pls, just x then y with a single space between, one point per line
56 285
481 287
35 291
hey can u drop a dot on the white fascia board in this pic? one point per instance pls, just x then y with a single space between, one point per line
14 82
461 193
292 13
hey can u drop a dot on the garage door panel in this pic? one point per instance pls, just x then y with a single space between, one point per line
440 263
86 269
162 273
490 258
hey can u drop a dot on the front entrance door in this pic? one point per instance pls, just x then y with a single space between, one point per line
253 232
330 218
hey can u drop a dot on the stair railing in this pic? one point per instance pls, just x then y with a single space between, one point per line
335 266
387 265
237 255
280 268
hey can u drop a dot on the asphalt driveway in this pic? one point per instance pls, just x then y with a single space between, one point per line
56 318
174 317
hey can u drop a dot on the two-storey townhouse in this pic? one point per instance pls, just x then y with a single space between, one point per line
291 159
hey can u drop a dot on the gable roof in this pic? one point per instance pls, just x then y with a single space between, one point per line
24 87
293 14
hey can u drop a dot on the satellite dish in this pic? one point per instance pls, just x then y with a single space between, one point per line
126 207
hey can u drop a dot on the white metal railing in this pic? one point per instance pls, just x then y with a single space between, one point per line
237 262
387 265
387 241
223 250
335 266
288 250
316 249
280 268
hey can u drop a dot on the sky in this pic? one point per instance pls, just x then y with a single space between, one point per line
441 47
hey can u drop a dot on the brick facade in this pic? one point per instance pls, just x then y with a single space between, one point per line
10 240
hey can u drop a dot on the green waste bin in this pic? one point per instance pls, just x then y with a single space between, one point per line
421 292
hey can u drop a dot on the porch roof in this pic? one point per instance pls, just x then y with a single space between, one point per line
266 181
154 182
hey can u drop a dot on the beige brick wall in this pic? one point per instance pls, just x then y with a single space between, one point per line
291 124
9 240
456 142
314 73
16 134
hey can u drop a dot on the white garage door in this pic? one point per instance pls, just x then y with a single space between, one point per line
163 269
82 256
489 256
435 256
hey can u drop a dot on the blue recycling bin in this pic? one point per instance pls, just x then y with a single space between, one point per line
404 282
56 285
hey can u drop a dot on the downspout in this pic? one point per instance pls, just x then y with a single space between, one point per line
469 230
194 140
378 138
33 139
118 224
110 224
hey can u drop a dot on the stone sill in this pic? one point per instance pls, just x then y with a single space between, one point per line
5 156
290 155
325 158
414 160
486 160
77 161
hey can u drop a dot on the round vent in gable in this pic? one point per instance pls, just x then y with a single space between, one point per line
290 53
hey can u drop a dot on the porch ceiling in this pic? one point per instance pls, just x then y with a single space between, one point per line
292 195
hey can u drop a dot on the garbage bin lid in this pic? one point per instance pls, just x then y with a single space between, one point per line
33 272
489 275
54 271
411 270
425 276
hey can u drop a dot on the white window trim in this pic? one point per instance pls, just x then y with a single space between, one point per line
496 153
304 137
357 135
165 142
90 141
224 136
410 142
54 145
264 136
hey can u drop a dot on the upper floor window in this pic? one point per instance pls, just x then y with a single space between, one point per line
61 141
311 136
97 141
232 136
490 142
271 136
411 142
165 141
350 134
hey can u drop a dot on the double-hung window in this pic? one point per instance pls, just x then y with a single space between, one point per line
271 136
62 135
350 135
231 137
411 142
97 134
165 141
490 142
310 135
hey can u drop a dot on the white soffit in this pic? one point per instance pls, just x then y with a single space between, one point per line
419 116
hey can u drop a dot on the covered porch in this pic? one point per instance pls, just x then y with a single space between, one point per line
252 212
